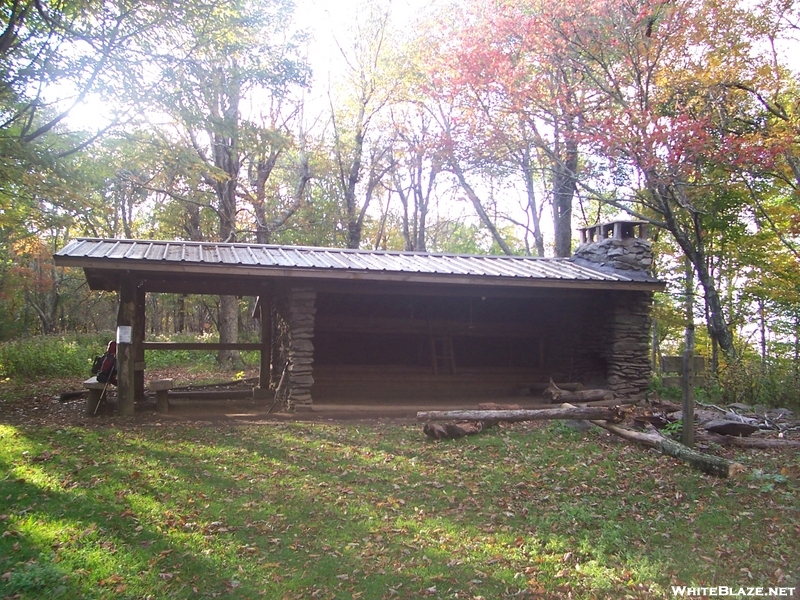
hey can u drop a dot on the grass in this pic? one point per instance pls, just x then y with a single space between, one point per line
307 510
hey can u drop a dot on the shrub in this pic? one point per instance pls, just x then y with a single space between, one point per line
71 355
752 382
51 356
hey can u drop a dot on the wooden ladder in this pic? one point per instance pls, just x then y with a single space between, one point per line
442 354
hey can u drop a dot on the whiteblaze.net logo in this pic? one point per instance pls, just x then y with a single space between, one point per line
734 592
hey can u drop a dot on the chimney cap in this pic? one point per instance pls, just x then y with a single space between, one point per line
618 229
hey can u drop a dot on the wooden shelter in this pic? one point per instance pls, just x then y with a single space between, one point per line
388 326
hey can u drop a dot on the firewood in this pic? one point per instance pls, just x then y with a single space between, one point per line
449 431
557 394
569 386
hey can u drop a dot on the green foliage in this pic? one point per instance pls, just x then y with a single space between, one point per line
37 578
71 356
768 480
196 359
749 381
673 429
52 356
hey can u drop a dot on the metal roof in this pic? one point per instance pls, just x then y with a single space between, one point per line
271 260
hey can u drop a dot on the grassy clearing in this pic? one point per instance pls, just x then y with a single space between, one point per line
302 510
42 359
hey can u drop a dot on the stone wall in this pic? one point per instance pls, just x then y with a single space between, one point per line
628 254
627 348
295 314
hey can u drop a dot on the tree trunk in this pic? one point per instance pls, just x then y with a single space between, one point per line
564 186
180 319
533 207
229 331
476 202
742 442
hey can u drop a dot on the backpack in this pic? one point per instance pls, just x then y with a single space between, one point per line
105 366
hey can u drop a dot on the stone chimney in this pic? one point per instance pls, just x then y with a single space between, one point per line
618 245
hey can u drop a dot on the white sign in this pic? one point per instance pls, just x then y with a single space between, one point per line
124 334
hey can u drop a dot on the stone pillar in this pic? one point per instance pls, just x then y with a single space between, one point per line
300 311
627 351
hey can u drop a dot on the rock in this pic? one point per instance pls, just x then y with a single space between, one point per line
779 413
740 407
578 424
724 427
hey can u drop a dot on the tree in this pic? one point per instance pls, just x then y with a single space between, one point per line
233 52
671 112
520 104
362 158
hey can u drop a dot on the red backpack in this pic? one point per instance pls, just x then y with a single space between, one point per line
105 367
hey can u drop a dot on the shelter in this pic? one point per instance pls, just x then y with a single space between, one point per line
387 326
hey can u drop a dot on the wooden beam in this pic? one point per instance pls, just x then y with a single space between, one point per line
199 346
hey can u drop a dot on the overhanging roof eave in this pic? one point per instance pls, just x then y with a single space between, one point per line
116 267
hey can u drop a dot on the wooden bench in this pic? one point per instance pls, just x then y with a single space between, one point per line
96 389
161 387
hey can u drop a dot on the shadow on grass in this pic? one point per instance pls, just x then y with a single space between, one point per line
312 510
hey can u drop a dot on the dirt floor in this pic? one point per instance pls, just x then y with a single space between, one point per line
41 405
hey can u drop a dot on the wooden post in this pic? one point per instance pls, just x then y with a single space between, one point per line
138 341
687 380
265 370
687 383
125 357
161 387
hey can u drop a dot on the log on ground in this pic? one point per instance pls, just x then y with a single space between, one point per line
742 442
712 465
557 394
614 414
